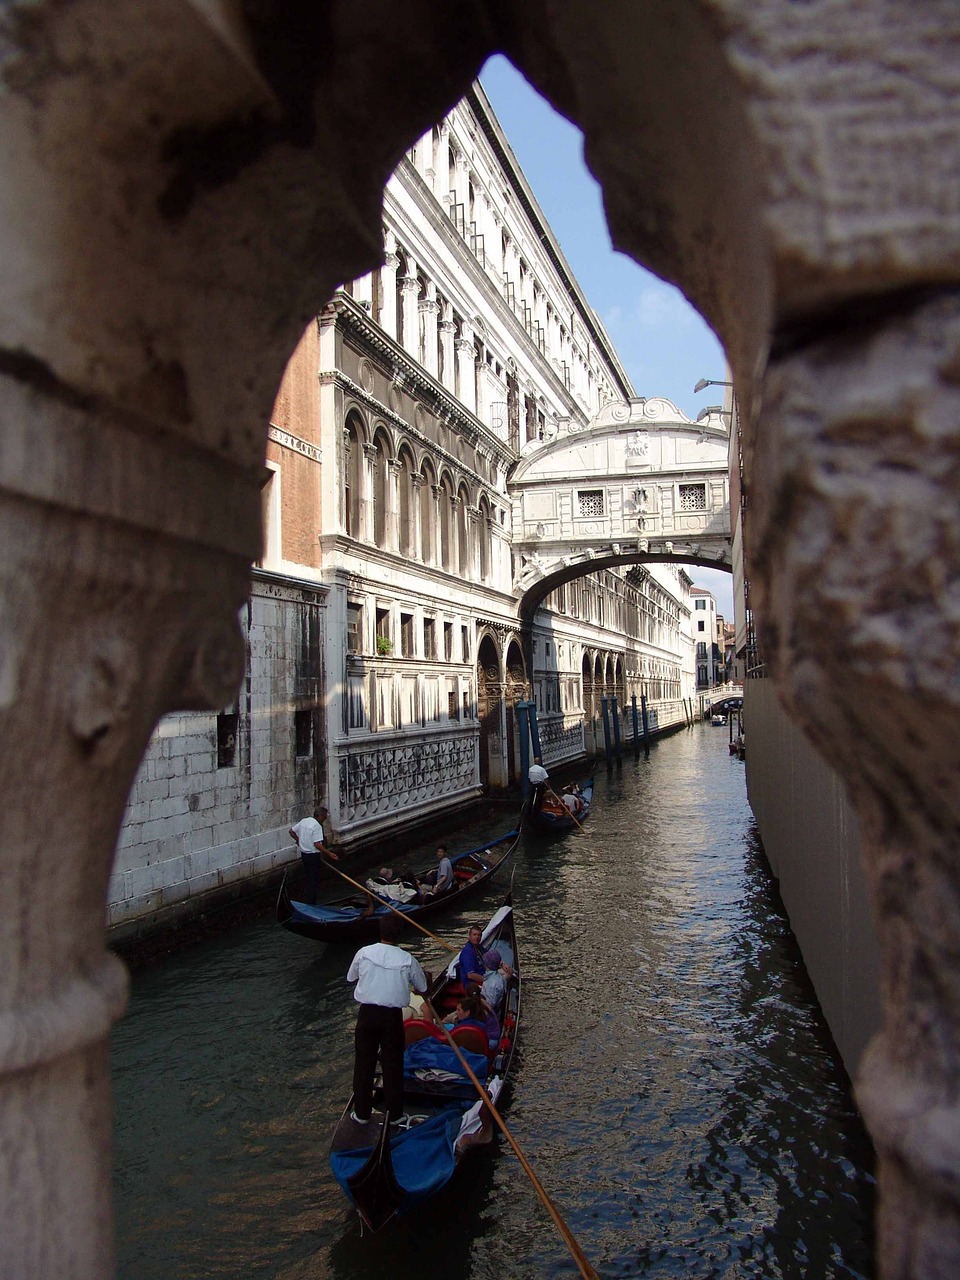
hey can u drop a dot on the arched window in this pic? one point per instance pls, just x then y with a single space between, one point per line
380 482
401 275
352 474
447 532
483 533
428 527
407 498
463 533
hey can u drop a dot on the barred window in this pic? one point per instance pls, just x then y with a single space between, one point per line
591 502
693 497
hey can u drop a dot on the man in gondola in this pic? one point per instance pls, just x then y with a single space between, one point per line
384 974
470 966
441 878
538 778
311 843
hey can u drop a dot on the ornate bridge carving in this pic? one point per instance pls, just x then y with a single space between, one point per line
641 482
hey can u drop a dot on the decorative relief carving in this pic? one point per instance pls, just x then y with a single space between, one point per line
391 778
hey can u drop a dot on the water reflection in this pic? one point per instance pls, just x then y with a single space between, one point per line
676 1091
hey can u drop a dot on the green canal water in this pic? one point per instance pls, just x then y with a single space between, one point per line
677 1093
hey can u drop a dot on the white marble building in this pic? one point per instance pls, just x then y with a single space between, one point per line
386 648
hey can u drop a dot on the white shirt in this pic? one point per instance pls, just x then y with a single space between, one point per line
571 801
384 975
308 831
537 774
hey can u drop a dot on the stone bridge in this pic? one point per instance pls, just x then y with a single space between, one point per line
640 482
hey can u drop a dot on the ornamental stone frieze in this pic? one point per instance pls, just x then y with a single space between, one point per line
388 779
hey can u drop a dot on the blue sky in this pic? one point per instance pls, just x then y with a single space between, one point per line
663 343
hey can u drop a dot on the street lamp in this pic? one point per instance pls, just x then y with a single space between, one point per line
710 382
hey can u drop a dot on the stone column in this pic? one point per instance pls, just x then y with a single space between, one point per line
441 181
388 283
416 532
391 515
368 468
475 532
429 308
447 333
437 558
456 505
410 294
467 367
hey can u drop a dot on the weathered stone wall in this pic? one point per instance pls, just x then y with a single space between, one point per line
811 837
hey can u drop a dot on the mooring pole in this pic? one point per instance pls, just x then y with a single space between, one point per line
616 726
646 723
523 728
605 710
636 722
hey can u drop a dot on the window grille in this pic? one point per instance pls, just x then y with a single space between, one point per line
693 497
590 502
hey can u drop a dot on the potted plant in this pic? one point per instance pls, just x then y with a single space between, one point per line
384 645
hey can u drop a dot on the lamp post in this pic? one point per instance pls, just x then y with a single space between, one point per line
710 382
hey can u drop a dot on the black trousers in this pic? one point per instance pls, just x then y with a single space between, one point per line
312 862
379 1033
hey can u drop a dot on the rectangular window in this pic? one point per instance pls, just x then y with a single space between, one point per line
701 625
465 642
384 642
406 635
590 502
430 639
452 705
693 497
448 641
354 628
227 740
699 604
303 731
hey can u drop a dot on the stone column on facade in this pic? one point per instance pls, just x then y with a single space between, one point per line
409 299
368 472
392 513
475 532
388 285
441 181
467 367
438 497
416 530
455 507
429 307
447 334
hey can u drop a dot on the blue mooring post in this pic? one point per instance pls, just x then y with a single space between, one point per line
523 727
535 731
605 709
636 722
646 723
616 726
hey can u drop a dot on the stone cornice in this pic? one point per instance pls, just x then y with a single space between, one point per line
467 261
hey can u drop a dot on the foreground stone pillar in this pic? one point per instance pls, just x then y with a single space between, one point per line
857 567
116 609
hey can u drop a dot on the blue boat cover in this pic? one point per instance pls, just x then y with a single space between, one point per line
436 1055
422 1157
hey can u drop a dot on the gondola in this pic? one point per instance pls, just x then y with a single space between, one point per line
349 919
386 1171
549 815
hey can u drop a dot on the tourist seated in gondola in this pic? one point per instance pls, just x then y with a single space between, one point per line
470 966
495 979
435 883
571 799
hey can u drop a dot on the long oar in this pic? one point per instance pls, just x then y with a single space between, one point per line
569 1239
551 792
402 914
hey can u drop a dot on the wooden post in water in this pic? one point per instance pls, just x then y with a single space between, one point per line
523 727
605 710
636 724
615 714
646 724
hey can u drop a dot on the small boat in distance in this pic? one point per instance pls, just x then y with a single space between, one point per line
350 919
387 1170
551 815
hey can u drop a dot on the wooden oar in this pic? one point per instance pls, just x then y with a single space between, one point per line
551 792
382 902
569 1239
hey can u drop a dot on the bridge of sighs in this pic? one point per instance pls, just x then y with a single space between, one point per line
642 482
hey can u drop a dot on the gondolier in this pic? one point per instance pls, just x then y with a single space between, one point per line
311 842
384 974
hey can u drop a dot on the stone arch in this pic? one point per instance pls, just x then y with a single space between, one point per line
494 772
429 531
484 537
352 475
516 689
382 454
465 543
744 184
408 521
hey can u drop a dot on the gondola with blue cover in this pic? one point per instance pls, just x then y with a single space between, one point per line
385 1170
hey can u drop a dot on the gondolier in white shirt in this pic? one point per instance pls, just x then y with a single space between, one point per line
384 974
311 842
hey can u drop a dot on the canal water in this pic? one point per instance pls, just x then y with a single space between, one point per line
678 1094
